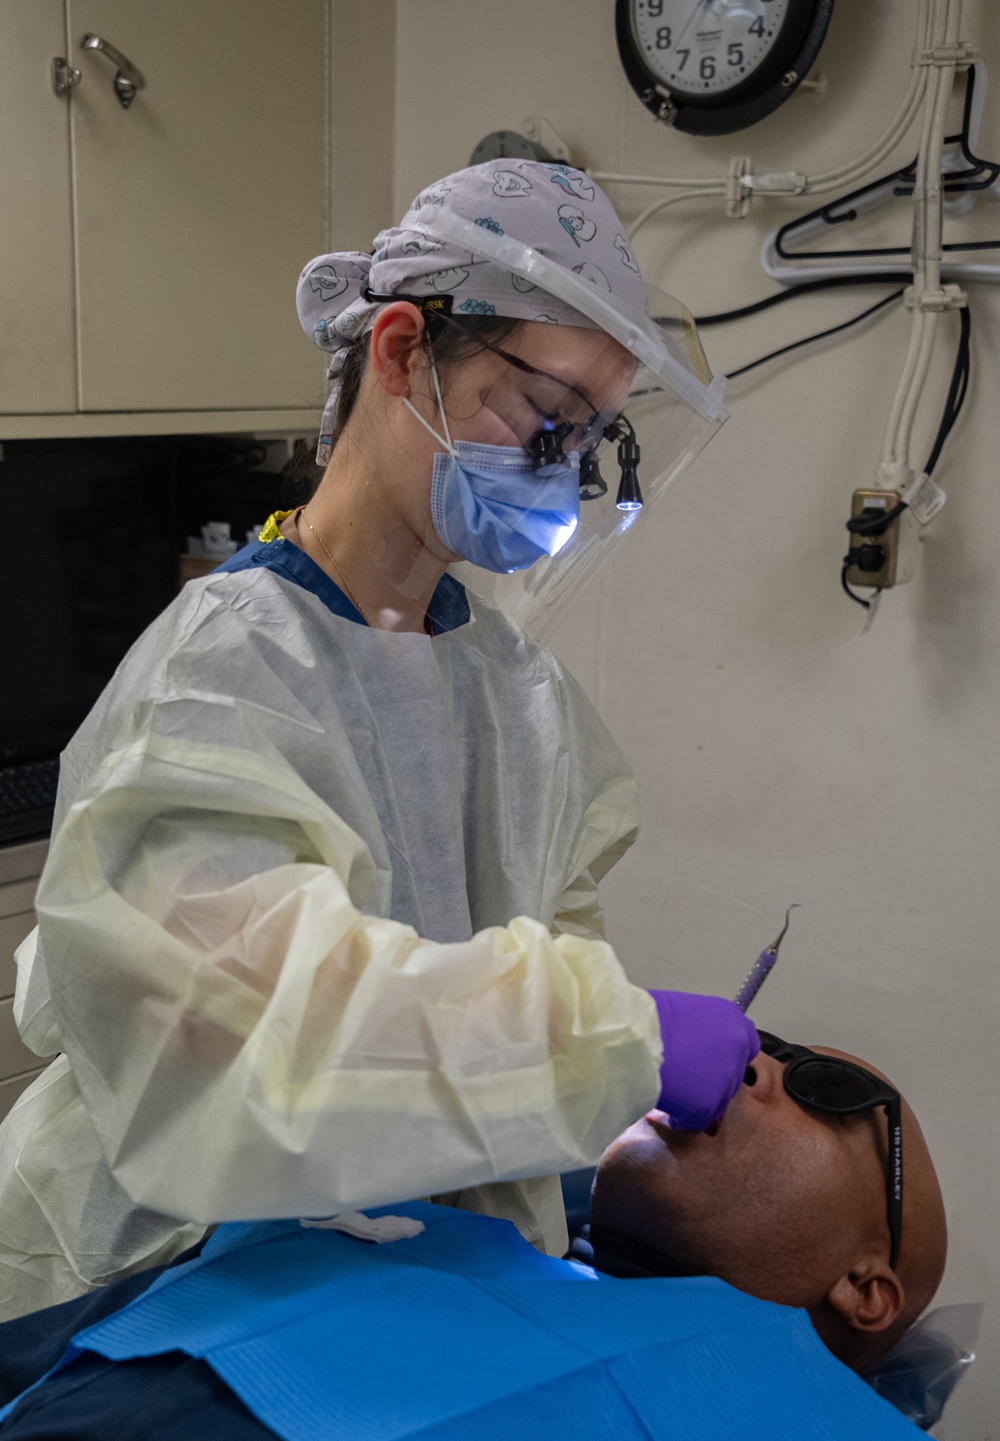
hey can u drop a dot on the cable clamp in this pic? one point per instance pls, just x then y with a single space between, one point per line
781 182
893 475
945 55
949 297
738 187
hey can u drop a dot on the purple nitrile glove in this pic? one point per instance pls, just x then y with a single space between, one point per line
707 1045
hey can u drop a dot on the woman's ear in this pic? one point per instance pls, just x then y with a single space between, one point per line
395 342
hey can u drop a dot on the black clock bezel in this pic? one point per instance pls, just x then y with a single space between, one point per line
741 106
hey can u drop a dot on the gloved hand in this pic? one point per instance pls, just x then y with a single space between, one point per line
707 1045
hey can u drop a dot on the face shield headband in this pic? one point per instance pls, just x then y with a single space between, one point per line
639 334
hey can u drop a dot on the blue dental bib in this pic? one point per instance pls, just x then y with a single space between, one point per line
466 1332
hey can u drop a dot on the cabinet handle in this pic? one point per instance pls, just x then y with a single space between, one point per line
129 80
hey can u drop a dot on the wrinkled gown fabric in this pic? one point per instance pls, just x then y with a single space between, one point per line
318 930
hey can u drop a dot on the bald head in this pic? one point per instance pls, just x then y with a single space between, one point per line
786 1204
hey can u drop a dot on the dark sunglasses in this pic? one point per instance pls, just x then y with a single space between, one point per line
840 1088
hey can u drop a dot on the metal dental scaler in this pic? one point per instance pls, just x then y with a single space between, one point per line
762 967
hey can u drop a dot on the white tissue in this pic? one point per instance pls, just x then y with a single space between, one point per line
368 1228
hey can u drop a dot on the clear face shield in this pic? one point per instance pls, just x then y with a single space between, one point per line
596 432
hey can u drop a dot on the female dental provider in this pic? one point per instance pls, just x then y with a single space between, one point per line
319 926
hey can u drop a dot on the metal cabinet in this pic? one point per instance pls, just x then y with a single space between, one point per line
37 319
150 249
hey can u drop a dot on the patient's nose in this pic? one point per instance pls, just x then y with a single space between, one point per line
762 1079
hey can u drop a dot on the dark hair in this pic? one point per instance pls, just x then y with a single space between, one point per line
448 345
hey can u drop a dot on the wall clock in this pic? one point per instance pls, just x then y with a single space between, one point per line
709 67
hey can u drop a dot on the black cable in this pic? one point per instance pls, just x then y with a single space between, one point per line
962 138
964 390
833 282
820 335
957 391
865 604
876 524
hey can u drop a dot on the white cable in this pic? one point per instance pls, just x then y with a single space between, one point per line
927 238
662 205
845 174
921 369
933 237
911 380
692 183
903 387
944 26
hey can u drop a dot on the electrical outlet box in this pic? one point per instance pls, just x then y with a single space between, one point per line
885 560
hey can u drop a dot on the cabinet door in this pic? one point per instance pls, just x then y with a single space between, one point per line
197 206
37 330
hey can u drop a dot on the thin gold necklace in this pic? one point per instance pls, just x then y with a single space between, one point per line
343 580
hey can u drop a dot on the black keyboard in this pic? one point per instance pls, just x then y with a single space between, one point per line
27 798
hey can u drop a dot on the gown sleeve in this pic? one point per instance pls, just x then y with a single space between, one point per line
248 1043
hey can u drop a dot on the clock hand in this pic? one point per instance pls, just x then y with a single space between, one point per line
729 8
699 5
738 7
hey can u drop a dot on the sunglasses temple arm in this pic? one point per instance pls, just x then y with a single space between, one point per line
894 1178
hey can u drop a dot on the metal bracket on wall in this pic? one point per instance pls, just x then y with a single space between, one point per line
64 75
541 132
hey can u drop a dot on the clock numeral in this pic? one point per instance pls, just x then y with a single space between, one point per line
654 8
664 38
735 53
757 28
707 68
684 58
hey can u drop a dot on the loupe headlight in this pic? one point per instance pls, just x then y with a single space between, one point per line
592 482
629 493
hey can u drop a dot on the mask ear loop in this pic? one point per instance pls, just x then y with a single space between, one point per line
445 439
440 401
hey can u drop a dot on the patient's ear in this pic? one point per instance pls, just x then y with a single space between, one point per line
859 1306
869 1297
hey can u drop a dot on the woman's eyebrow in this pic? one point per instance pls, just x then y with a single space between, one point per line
568 385
525 366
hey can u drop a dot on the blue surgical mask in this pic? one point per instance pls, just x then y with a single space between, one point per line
490 506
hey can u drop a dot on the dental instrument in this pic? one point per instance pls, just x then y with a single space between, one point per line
762 966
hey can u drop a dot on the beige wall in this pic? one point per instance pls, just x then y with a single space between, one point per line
782 756
362 66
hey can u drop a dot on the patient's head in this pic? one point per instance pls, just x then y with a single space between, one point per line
785 1203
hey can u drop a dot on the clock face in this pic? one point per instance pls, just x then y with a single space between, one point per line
708 48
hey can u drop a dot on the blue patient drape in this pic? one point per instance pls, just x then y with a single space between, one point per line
467 1332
